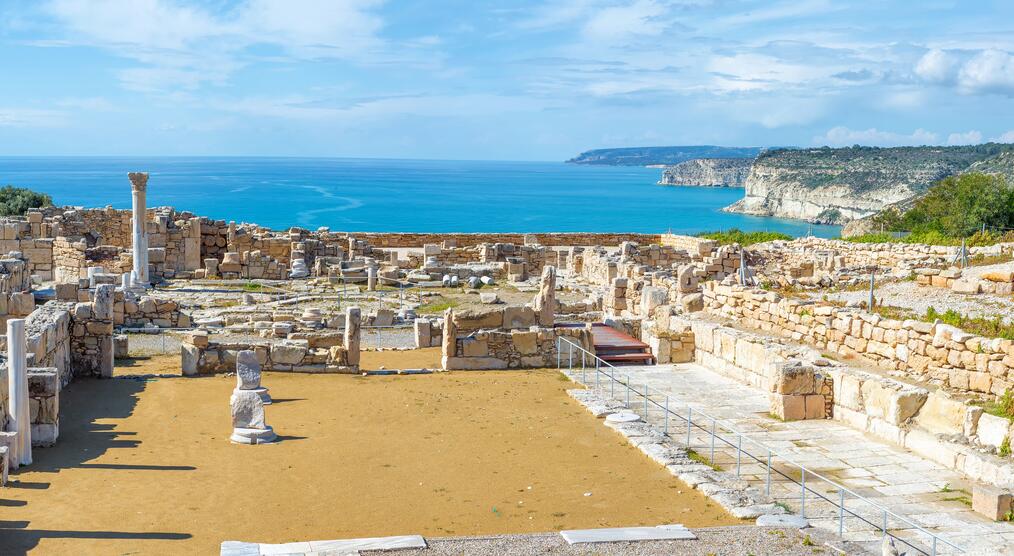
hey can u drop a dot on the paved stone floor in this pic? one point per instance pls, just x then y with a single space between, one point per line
928 494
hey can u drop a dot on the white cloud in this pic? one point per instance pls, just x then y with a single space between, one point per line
1006 137
972 137
976 72
30 117
618 23
185 46
937 66
745 72
842 136
990 71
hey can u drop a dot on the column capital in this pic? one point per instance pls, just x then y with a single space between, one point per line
138 181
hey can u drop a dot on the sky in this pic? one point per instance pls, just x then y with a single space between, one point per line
519 80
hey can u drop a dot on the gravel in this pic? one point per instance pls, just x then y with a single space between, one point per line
910 295
720 541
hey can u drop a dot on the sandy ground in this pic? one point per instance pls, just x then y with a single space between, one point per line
145 466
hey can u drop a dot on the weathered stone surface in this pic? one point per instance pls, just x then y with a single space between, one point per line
545 301
248 370
247 410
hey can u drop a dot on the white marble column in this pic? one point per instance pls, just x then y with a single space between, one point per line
19 415
138 189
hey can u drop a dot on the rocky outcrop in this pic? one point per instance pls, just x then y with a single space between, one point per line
708 172
835 186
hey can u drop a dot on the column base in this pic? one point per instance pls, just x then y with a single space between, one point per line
253 436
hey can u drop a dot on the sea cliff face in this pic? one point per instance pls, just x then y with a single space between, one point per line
835 186
708 172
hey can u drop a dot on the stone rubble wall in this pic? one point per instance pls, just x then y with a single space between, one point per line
996 283
44 405
935 353
534 347
200 356
699 247
91 338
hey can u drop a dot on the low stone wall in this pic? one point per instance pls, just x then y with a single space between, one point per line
937 353
310 353
696 246
44 405
999 282
380 239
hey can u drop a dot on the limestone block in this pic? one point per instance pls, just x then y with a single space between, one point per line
472 347
992 430
525 342
788 407
814 407
423 333
475 319
518 317
942 415
21 304
121 346
287 354
247 410
794 379
189 359
991 501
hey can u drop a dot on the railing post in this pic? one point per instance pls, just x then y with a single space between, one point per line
597 379
802 499
714 425
934 549
690 424
582 359
612 385
767 484
645 402
841 512
885 522
628 391
570 355
739 453
559 347
665 426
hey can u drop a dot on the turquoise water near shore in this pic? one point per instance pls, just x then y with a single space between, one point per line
398 195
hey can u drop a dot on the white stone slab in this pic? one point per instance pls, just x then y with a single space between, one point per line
374 543
623 417
306 548
621 534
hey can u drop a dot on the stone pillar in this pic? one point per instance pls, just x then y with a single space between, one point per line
19 417
248 374
371 278
545 301
138 189
353 316
125 281
449 341
103 311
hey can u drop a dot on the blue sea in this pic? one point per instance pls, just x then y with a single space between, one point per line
398 195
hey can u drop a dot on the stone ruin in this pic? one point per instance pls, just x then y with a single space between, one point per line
248 401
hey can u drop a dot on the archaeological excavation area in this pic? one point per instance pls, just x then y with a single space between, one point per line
176 384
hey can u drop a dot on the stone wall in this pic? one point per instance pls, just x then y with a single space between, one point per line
935 353
534 347
312 353
91 339
380 239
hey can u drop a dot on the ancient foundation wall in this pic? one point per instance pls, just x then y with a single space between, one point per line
202 356
937 353
470 239
503 338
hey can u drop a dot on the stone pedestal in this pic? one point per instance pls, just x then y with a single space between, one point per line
139 189
545 301
19 420
248 426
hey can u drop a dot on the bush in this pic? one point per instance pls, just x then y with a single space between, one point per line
735 235
16 201
956 207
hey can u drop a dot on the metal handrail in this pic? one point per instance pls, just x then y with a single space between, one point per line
715 435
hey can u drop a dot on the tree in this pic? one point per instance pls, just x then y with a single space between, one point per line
959 206
17 200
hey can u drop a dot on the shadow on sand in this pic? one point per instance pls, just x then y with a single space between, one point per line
82 439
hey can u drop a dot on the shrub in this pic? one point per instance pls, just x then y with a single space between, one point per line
735 235
17 200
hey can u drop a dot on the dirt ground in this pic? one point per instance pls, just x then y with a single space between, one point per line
144 466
